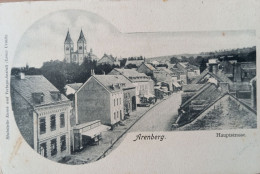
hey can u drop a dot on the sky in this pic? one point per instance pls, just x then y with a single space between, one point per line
44 40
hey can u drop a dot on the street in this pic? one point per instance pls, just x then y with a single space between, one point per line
160 117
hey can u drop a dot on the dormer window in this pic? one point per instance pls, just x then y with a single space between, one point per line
55 95
38 97
67 48
80 47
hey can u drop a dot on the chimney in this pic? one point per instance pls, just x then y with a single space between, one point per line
92 72
237 72
224 87
213 65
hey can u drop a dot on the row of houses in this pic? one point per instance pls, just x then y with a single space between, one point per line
171 78
55 126
216 99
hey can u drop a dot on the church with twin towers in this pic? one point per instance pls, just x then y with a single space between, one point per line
80 54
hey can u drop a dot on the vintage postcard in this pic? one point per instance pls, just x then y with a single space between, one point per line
129 87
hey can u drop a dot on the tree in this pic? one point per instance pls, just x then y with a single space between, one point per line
203 65
174 60
123 62
130 66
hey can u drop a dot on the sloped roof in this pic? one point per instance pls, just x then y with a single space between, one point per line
177 70
219 76
75 86
183 64
35 84
206 90
192 67
166 70
248 65
149 66
118 81
81 37
228 113
130 72
136 62
108 56
192 87
68 38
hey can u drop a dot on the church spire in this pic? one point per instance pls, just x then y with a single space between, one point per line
81 37
68 38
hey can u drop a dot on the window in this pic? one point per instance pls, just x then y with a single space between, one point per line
117 114
53 122
42 98
63 143
121 114
67 48
80 47
53 147
43 149
114 115
120 101
42 125
62 120
117 101
114 102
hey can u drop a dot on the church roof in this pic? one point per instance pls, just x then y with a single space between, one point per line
68 38
81 37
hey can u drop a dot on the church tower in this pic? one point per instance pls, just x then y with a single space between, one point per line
68 47
82 47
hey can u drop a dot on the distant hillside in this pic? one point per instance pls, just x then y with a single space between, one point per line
233 52
179 56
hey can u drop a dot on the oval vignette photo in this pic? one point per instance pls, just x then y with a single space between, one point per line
79 85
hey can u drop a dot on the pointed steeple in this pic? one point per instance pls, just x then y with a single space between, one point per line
81 37
68 38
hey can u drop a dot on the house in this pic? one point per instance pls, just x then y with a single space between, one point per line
191 71
155 63
226 112
180 76
72 88
248 71
165 75
108 59
239 87
193 105
101 97
146 68
206 75
42 115
144 84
